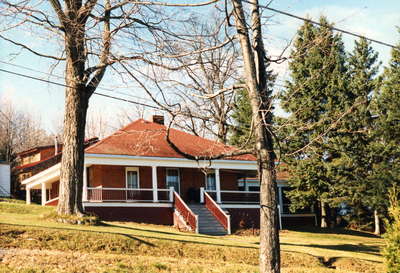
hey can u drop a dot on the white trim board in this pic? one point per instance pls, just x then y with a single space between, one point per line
239 206
51 174
133 205
299 215
126 160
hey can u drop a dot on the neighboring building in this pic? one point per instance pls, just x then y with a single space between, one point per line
135 175
35 160
40 158
5 179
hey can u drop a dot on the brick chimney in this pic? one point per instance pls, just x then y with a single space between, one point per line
158 119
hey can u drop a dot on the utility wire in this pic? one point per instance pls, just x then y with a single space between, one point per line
61 77
95 93
327 26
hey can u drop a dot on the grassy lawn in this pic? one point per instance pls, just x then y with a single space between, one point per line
30 244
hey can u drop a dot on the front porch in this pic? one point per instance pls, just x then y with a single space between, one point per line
142 191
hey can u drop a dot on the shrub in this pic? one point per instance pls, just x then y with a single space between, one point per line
391 251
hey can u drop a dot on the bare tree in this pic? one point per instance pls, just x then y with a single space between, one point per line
91 36
256 82
99 124
214 71
254 58
132 34
19 131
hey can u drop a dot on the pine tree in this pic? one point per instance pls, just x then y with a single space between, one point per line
242 134
315 98
387 134
352 169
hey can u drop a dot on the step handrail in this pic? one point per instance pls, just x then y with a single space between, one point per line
187 214
219 214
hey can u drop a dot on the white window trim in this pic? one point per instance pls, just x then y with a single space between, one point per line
206 182
127 169
179 178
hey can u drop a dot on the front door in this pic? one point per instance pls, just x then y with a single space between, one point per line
172 179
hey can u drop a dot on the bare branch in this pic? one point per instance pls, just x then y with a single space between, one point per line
31 50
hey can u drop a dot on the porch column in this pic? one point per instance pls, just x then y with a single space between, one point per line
202 195
85 188
43 194
280 208
280 199
218 185
28 196
154 183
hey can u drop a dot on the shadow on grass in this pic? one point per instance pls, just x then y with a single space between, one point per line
334 231
329 261
136 237
160 232
359 248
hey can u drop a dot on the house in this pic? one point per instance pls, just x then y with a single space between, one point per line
5 183
39 158
135 175
36 160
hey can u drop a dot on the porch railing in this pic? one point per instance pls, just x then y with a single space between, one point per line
101 194
236 197
187 214
219 214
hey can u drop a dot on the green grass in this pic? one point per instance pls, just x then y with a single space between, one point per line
133 247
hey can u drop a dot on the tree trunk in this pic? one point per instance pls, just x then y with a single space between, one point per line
324 222
71 184
222 130
377 223
76 104
260 100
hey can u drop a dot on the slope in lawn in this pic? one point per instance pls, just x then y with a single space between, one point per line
31 244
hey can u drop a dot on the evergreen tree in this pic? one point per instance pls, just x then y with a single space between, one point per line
387 133
242 134
315 98
352 170
388 106
392 237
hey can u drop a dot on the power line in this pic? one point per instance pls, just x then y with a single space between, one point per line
95 93
327 26
61 77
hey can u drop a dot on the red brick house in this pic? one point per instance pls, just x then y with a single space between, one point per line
135 175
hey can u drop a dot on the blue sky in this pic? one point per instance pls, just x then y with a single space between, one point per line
376 19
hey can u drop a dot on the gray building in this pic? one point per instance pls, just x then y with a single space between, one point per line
5 179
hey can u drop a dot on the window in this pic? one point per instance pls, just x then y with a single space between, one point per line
210 182
132 178
172 179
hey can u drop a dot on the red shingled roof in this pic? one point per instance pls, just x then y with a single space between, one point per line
145 138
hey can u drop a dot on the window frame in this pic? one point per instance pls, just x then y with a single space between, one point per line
206 180
179 178
131 169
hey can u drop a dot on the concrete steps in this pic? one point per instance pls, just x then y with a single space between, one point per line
208 224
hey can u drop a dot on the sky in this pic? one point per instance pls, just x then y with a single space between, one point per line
374 19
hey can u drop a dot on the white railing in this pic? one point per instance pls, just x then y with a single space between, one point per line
100 194
52 200
235 197
217 211
186 213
